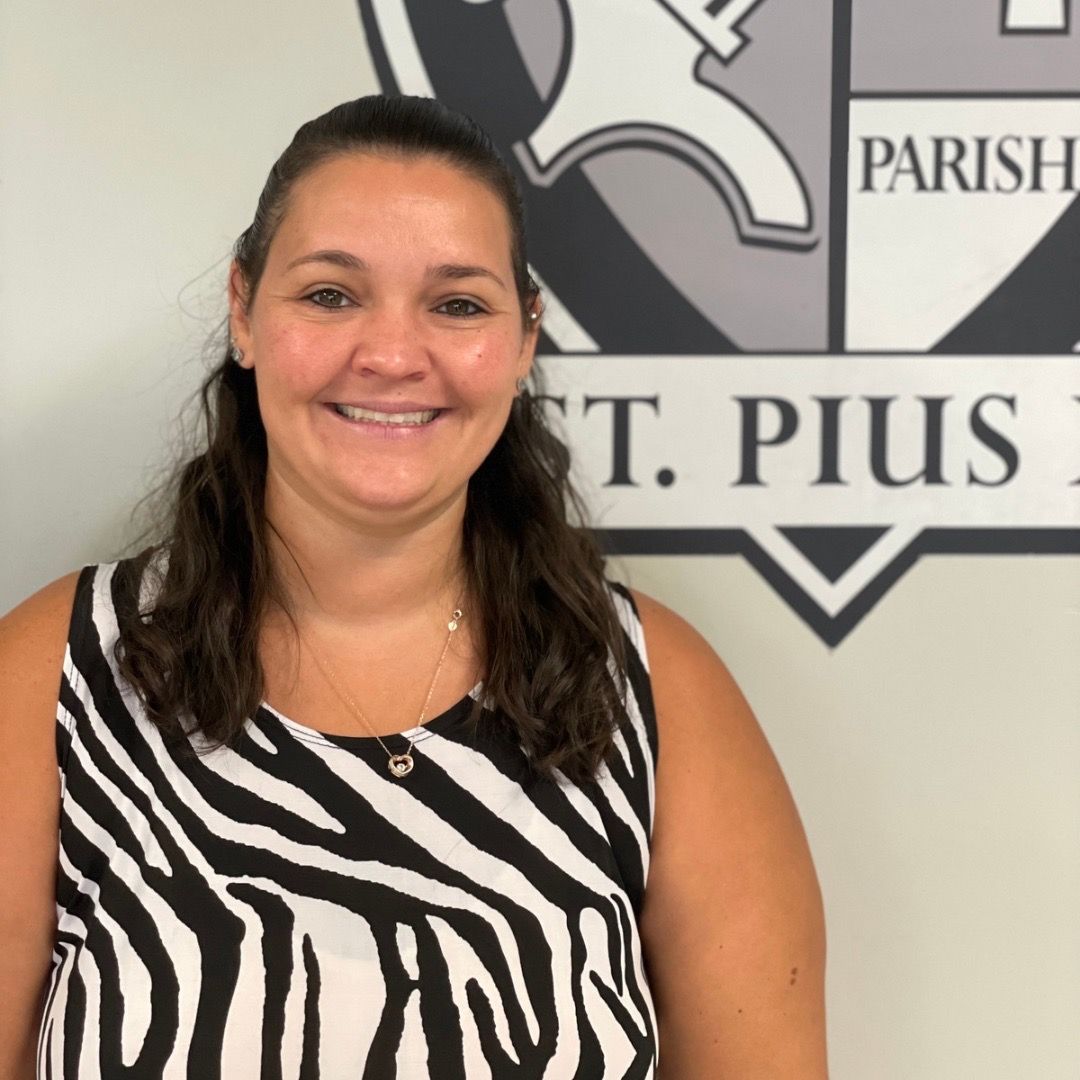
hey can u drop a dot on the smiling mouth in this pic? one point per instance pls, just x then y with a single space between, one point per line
399 419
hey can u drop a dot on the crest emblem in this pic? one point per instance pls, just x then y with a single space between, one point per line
813 288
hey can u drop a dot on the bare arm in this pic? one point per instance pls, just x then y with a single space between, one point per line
732 924
32 642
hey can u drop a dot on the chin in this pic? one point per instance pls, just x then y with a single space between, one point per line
401 499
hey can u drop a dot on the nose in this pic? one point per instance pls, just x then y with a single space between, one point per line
390 343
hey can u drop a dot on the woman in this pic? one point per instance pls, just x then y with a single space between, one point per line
358 767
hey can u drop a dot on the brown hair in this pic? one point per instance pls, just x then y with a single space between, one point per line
547 619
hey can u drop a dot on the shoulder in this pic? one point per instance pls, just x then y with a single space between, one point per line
709 739
666 643
33 640
694 694
33 637
711 745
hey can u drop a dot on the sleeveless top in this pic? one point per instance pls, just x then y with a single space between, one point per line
285 908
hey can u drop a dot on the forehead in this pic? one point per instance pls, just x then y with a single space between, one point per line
372 200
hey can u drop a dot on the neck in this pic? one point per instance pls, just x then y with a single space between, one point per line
352 574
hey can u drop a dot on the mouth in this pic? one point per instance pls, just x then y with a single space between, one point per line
394 419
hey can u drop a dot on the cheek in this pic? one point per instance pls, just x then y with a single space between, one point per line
291 363
490 365
485 383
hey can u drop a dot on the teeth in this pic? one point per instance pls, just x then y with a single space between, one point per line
353 413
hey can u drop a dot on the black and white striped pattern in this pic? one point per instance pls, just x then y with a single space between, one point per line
285 908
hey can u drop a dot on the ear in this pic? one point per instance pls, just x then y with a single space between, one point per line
239 325
532 336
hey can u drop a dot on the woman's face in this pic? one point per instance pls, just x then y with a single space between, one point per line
385 334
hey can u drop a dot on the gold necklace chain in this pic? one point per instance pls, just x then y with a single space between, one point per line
400 765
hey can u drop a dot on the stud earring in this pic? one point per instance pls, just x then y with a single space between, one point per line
520 384
236 354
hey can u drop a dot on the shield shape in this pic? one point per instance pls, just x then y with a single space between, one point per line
809 284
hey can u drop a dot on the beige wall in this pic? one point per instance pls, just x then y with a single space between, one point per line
934 754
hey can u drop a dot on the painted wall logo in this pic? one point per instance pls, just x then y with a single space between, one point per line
813 283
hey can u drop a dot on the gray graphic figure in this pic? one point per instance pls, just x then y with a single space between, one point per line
624 83
1036 16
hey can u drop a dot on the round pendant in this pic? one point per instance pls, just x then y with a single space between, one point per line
400 765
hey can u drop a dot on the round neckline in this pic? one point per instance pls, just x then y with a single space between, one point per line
438 724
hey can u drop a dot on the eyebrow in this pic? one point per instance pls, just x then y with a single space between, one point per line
445 271
453 271
338 258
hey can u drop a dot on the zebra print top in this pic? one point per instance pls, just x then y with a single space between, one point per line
285 908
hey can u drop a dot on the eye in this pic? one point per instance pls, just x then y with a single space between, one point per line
460 307
328 298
